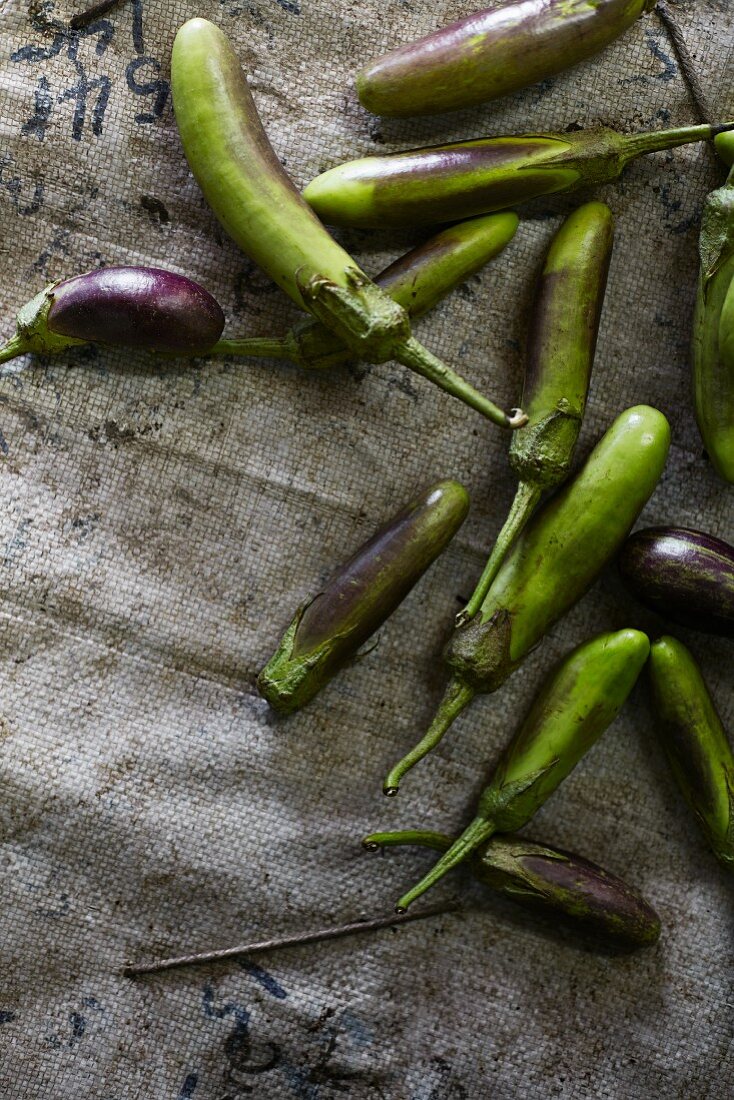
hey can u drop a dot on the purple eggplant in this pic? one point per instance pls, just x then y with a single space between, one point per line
130 307
687 576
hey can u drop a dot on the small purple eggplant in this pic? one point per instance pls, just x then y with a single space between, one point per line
687 576
130 307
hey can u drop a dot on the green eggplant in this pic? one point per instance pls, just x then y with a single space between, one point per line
694 742
713 323
555 560
580 699
328 630
441 183
550 880
561 347
249 191
416 281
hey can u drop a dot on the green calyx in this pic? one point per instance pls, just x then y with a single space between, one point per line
543 452
289 679
32 333
479 653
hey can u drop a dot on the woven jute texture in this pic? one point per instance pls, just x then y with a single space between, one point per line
161 521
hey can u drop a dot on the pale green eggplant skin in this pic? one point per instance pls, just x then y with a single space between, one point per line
437 184
257 204
417 281
556 559
552 881
562 343
713 326
330 628
694 741
578 702
492 53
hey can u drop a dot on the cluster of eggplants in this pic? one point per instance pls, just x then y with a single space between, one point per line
713 324
129 307
492 53
558 556
687 576
550 880
426 186
255 201
579 700
417 282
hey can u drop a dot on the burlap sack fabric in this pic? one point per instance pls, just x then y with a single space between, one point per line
161 521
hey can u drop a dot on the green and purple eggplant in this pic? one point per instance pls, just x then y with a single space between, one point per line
492 53
713 323
578 701
129 307
695 743
416 281
443 182
561 346
256 202
331 627
557 883
556 559
687 576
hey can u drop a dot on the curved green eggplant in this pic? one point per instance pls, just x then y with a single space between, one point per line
694 742
332 626
439 184
580 699
551 880
561 347
556 559
416 281
249 191
713 324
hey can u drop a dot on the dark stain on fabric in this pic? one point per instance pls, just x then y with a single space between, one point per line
156 209
238 1045
187 1088
6 1016
4 444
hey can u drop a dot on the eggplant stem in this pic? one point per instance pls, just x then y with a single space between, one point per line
15 346
259 347
439 842
474 835
634 145
523 506
457 697
411 353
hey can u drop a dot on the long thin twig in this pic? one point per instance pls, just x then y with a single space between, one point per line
131 969
83 17
690 76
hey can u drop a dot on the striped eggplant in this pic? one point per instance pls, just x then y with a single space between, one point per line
549 880
328 630
129 307
561 346
446 182
492 53
687 576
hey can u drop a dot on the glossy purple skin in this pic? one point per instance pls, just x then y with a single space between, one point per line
687 576
137 307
